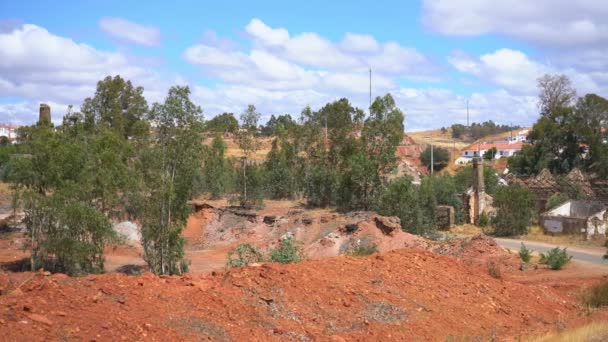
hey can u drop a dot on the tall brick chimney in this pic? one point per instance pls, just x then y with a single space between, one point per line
45 114
479 189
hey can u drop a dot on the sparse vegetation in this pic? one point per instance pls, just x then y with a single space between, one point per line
494 270
243 255
524 253
597 296
556 258
484 220
363 250
287 252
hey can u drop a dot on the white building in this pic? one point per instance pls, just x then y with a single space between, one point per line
478 150
8 131
521 137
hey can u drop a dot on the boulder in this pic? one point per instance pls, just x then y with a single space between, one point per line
387 224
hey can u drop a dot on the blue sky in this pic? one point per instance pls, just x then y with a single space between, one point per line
281 56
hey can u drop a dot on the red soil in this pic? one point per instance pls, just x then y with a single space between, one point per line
401 295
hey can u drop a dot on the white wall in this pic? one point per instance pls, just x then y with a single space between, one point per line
601 227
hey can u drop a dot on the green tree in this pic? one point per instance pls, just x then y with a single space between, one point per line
223 123
247 141
514 210
401 198
441 157
169 167
69 186
358 184
282 169
463 180
117 105
458 131
216 169
490 154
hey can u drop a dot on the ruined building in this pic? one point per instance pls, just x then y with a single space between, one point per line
476 199
44 116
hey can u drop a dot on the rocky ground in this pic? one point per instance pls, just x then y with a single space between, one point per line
413 290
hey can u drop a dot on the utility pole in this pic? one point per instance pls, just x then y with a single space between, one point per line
432 159
467 112
370 91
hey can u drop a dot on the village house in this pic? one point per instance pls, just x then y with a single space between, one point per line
8 131
588 218
503 149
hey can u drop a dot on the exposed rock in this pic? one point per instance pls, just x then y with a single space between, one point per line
40 319
387 224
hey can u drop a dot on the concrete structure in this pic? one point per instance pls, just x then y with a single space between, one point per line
445 216
476 196
588 218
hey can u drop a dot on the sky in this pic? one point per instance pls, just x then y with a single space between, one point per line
432 56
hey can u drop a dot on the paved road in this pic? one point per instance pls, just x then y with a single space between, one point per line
591 255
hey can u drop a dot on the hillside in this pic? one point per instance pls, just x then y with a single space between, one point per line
401 295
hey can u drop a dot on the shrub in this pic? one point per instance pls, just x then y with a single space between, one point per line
555 258
243 255
514 205
363 250
524 253
484 219
555 200
597 295
494 270
287 252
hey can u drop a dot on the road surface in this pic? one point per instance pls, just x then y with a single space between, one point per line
590 255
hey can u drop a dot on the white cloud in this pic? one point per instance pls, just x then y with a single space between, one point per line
515 71
68 75
561 23
355 53
363 43
131 32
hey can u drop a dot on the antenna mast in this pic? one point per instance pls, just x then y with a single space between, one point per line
370 91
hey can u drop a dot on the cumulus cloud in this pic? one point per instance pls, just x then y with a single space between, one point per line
356 52
68 75
515 71
131 32
548 22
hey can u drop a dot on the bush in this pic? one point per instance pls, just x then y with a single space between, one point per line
441 157
494 270
514 205
243 255
555 258
287 252
597 295
524 253
555 200
484 220
363 250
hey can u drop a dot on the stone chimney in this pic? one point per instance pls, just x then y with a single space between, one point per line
479 189
45 114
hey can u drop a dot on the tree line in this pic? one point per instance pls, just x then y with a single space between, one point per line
570 133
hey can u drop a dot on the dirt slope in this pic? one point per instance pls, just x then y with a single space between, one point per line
407 295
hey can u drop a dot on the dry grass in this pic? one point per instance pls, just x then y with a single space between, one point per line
466 229
233 149
596 331
536 233
440 139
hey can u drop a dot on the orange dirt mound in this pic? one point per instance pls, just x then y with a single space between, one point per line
401 295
